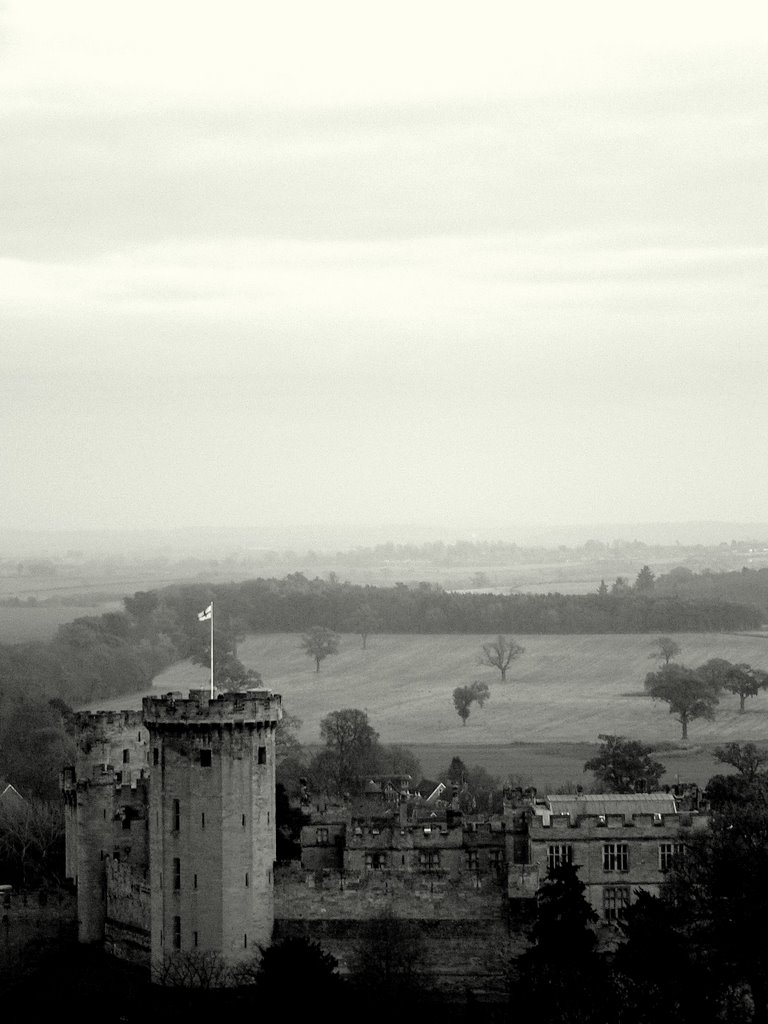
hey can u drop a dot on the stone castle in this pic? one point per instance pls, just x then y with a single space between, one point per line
171 840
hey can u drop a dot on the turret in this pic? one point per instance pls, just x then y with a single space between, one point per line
212 822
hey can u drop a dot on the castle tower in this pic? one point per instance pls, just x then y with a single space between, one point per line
212 822
111 752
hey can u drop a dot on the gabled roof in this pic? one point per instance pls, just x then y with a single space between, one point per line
10 795
612 803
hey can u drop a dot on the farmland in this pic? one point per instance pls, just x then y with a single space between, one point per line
20 624
560 695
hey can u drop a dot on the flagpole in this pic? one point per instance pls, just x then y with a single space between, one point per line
211 649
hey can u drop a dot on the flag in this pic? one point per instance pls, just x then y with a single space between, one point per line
207 614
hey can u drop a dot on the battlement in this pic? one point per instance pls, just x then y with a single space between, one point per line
108 721
640 822
260 708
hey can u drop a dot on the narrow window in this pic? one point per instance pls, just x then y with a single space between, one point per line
243 821
202 820
126 756
155 755
176 815
194 937
667 854
615 901
177 933
615 857
246 879
245 942
205 758
194 882
262 755
176 873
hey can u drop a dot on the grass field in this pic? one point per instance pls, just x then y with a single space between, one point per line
541 725
21 624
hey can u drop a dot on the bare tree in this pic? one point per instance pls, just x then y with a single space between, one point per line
31 838
195 968
500 653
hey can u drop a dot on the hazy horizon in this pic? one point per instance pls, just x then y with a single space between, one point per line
269 268
338 537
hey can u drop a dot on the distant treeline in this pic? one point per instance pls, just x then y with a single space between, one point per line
295 603
745 586
100 657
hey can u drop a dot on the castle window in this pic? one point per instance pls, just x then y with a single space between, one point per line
245 942
194 938
262 755
126 756
176 815
429 860
615 857
205 758
496 859
202 820
246 879
375 861
176 873
559 853
473 860
194 882
615 901
667 854
177 933
243 821
321 837
155 755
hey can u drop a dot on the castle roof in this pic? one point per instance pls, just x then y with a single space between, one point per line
612 803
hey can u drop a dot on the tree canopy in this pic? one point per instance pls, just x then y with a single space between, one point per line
319 643
689 695
465 696
625 766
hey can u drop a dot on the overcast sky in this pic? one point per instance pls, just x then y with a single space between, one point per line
408 262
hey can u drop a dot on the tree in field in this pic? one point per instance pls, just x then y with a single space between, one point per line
602 590
465 696
688 694
645 580
365 622
319 642
745 681
625 766
715 671
500 653
666 649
